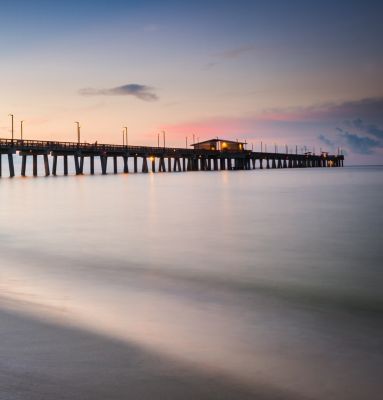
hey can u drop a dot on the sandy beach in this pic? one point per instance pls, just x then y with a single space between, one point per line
41 360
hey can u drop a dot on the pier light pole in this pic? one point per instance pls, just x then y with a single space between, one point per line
275 148
11 115
193 138
78 131
123 137
21 130
126 135
163 137
186 141
261 147
158 140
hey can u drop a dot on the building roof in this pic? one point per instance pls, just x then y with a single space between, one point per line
218 140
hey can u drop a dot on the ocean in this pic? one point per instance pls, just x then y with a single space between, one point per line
259 284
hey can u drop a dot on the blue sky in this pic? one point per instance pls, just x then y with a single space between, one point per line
297 73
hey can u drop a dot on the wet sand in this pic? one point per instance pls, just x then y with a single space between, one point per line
41 360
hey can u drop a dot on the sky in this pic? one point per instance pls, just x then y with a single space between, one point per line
295 73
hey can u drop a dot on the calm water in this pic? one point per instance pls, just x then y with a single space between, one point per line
267 278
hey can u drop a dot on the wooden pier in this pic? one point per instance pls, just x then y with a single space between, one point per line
155 159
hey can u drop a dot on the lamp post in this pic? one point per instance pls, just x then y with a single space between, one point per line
78 131
126 135
164 138
186 141
21 130
11 115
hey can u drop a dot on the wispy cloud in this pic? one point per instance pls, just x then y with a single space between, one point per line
359 144
324 139
142 92
235 52
371 129
229 54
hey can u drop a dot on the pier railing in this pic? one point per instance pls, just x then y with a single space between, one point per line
192 159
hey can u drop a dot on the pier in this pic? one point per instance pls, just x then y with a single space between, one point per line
146 159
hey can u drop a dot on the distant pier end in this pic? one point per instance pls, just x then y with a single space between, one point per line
211 155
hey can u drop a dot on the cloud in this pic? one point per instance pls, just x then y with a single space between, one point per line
371 129
235 52
142 92
369 108
326 140
229 54
358 144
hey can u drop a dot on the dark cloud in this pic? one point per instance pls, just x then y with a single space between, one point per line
358 144
142 92
371 129
326 140
367 109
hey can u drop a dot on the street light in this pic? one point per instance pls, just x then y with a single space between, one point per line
163 135
126 135
11 115
21 130
78 131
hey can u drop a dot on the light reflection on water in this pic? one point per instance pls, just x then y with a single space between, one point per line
270 276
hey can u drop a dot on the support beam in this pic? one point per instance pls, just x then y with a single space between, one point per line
11 166
169 164
23 164
104 164
161 167
153 164
65 165
115 164
144 165
126 166
91 165
54 167
34 158
46 165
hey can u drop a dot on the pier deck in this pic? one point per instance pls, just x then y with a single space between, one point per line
159 159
